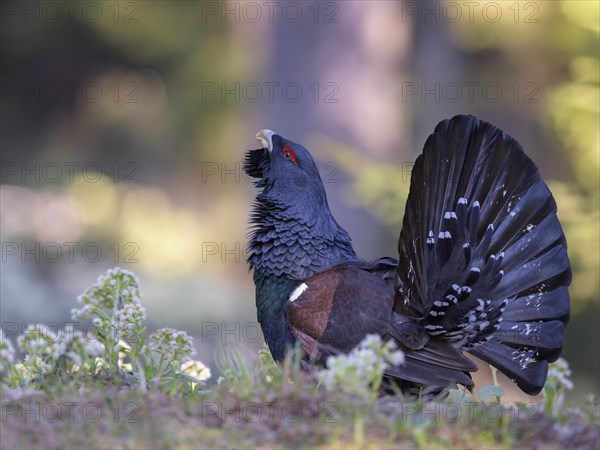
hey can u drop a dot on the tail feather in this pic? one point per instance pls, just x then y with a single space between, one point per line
520 364
535 274
483 261
539 306
519 218
547 233
541 335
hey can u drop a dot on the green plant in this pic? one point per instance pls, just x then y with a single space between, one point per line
557 384
360 372
116 346
492 390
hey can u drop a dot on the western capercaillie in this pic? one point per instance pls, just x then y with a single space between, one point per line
482 264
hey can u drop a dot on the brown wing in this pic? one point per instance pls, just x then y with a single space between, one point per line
333 311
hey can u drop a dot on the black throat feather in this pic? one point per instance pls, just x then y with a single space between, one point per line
295 247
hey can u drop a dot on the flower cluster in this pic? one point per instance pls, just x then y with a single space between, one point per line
40 340
171 348
559 373
557 382
117 344
7 354
43 348
34 366
196 370
360 372
113 305
128 321
169 363
80 347
115 286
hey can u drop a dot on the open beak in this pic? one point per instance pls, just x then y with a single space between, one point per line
265 138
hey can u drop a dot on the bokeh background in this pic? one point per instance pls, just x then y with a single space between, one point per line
123 125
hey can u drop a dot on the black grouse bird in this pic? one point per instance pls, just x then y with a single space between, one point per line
482 265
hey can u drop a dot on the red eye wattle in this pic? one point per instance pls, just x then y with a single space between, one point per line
289 154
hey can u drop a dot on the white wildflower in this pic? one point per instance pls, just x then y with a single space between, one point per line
559 372
93 348
34 366
396 358
195 369
171 346
362 369
80 345
115 289
40 340
7 354
114 307
128 321
372 341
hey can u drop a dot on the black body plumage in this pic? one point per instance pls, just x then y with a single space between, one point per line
482 262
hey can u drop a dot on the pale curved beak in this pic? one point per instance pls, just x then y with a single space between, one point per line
265 138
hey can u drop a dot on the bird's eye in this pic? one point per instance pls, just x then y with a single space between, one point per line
289 154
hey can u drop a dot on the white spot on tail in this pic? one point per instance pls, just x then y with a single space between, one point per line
298 292
430 239
450 215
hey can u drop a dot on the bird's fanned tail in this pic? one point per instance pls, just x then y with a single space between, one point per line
483 262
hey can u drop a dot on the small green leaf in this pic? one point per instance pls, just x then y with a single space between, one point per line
459 396
489 390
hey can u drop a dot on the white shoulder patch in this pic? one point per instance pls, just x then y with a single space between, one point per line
298 292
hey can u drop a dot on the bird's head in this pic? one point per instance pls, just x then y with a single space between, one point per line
285 170
293 232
